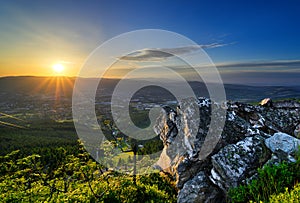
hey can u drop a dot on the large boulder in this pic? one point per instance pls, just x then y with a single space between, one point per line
282 142
237 162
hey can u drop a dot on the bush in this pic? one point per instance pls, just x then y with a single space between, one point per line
77 179
271 180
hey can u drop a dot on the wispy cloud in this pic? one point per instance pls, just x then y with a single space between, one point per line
272 72
262 64
155 54
147 55
260 67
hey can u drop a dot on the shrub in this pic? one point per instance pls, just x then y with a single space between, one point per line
271 180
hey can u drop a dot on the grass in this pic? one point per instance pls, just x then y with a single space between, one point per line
272 181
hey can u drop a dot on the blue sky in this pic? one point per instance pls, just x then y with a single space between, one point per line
38 33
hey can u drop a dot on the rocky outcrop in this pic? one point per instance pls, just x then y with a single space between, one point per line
210 147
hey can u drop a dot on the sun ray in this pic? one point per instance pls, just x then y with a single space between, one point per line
67 85
58 89
41 86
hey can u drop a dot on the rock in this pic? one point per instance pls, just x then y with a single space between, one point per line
199 190
249 113
279 157
283 142
164 162
297 131
203 102
165 125
281 120
205 167
235 129
186 169
236 162
184 136
190 120
286 104
266 102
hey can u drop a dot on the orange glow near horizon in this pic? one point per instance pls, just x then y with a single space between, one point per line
49 70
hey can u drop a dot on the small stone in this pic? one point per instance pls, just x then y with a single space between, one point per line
266 102
297 131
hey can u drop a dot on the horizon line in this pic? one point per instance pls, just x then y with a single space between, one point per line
75 77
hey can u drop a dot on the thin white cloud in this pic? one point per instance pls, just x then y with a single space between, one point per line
155 54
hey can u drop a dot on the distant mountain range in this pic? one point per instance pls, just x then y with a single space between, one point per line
31 85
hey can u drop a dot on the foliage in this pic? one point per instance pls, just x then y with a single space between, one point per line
45 163
271 180
287 196
76 179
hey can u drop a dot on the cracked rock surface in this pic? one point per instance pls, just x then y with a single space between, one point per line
210 147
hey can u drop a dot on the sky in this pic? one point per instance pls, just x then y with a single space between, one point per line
255 42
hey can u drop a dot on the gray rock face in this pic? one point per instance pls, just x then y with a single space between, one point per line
166 126
282 142
203 156
198 190
184 146
236 162
185 170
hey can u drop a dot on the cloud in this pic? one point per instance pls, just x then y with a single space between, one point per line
271 72
291 64
146 55
164 53
261 66
246 66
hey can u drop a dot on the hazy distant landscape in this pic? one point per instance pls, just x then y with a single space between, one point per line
49 86
29 102
31 97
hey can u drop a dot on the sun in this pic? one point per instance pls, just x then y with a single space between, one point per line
58 68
